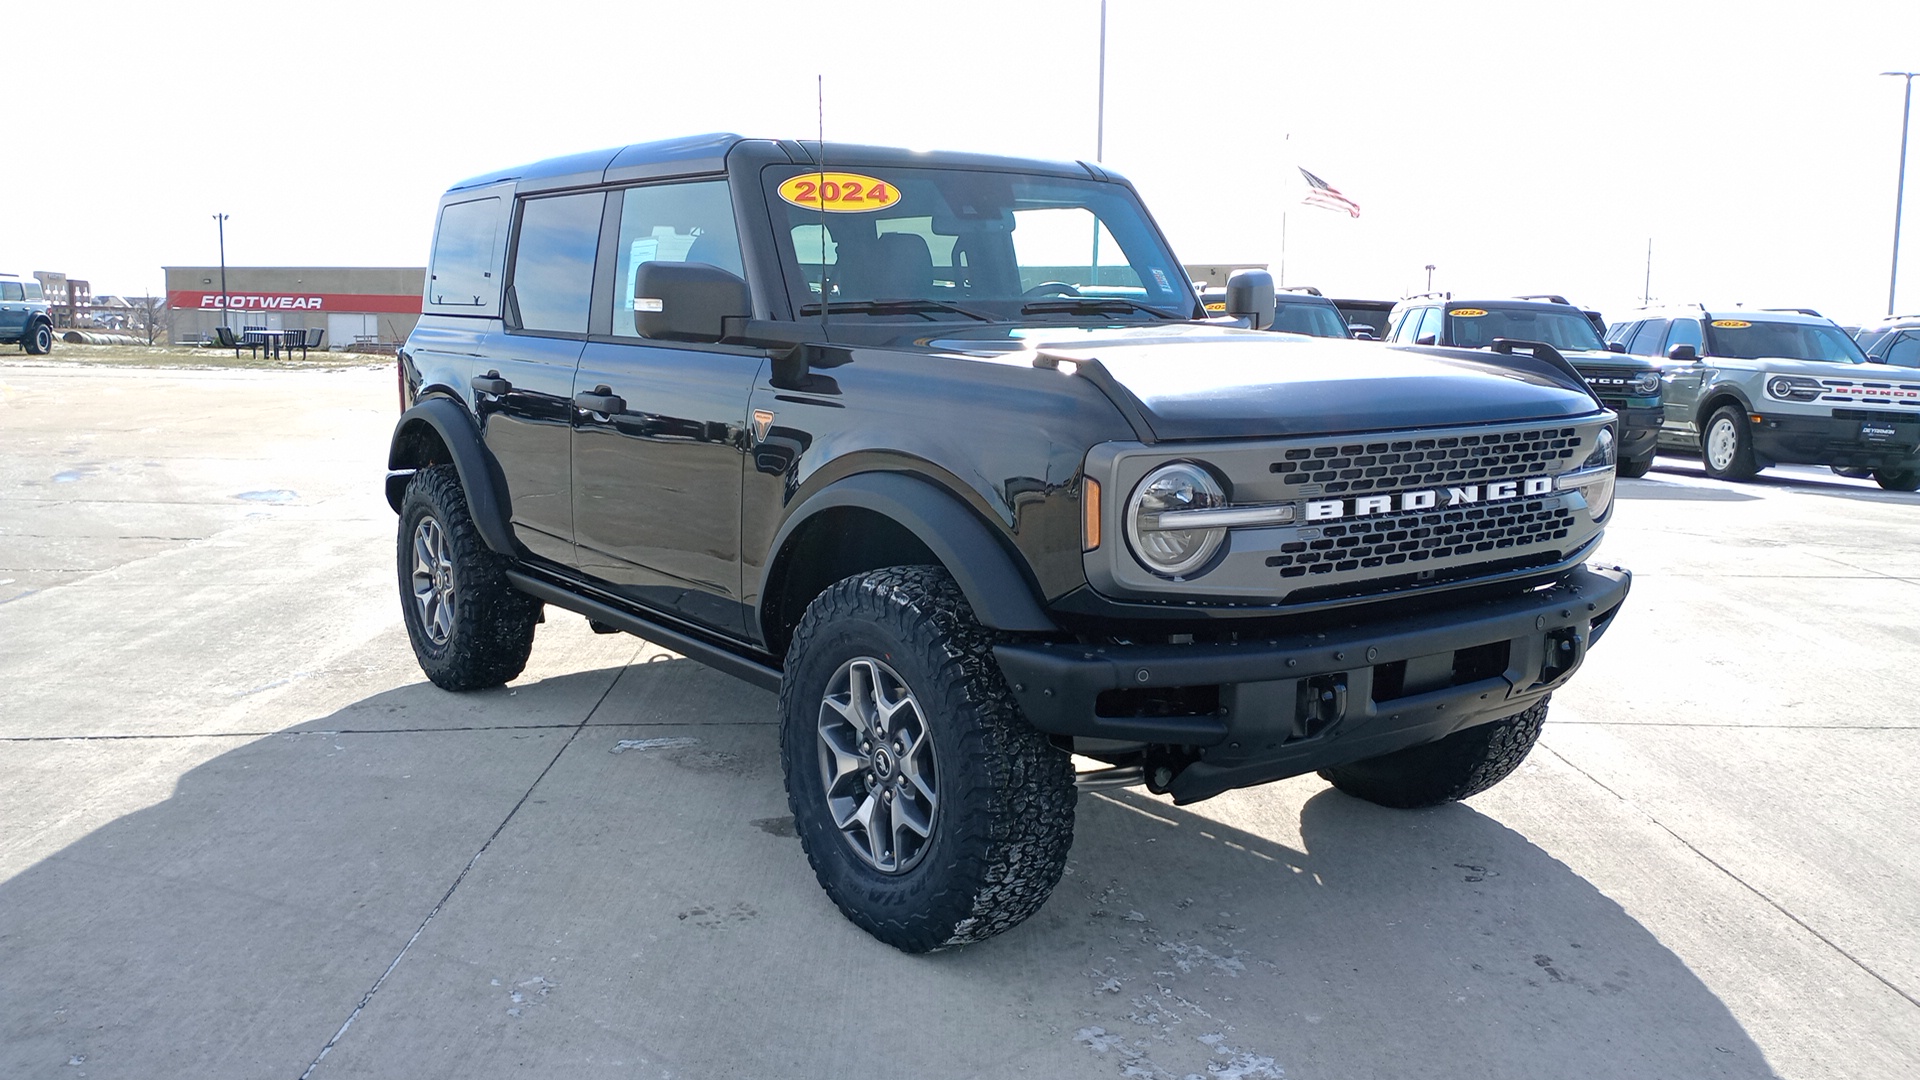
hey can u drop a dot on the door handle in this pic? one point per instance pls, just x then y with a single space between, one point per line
491 383
601 399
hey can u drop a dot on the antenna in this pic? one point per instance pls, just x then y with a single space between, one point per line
820 193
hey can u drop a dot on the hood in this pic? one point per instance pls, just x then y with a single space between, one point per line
1195 381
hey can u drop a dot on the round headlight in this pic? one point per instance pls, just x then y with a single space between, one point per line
1167 490
1645 384
1603 451
1779 387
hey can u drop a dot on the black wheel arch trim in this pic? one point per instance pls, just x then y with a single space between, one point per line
480 476
1711 395
1001 595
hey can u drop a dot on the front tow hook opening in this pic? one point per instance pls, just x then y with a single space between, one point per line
1322 703
1565 648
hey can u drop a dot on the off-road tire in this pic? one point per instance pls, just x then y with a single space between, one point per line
39 339
1898 479
1004 819
1461 765
492 624
1739 463
1635 468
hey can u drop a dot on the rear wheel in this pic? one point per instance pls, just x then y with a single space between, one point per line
932 813
1898 479
470 629
1463 764
1727 447
39 339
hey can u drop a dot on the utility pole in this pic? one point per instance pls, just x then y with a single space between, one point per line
222 220
1646 288
1429 277
1900 190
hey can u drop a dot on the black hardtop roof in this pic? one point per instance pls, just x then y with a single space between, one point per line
696 155
1508 302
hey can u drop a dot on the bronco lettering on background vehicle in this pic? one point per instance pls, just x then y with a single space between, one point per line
959 468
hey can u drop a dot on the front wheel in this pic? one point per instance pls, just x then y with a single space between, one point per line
932 813
1634 468
1463 764
470 629
39 339
1898 479
1727 446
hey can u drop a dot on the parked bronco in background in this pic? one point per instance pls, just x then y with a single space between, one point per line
1749 389
1629 385
940 448
23 315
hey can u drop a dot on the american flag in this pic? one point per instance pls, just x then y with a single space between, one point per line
1320 193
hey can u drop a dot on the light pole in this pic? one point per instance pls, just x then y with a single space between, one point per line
1900 191
221 219
1429 277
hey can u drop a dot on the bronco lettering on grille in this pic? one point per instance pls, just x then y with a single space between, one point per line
1362 506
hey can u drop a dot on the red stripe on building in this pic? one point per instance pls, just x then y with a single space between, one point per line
368 303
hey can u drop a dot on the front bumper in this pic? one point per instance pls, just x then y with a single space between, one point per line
1249 712
1639 428
1838 440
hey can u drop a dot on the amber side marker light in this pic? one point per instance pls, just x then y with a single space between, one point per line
1090 514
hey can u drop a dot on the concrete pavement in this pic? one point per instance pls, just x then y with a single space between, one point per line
240 836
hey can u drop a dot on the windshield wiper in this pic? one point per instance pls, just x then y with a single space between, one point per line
1091 305
895 307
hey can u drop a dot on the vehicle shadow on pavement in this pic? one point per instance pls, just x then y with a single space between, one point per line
1435 943
480 885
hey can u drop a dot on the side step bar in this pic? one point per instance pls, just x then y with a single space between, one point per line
693 648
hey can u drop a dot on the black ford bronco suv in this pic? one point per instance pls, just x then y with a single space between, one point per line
941 448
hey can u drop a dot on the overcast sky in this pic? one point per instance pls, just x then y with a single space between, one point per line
1518 147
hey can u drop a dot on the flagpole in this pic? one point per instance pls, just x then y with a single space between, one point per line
1283 247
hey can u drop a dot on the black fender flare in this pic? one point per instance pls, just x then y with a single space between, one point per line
480 476
1718 390
1001 595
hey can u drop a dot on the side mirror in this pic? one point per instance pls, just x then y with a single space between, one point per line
1250 297
1683 352
1424 339
1617 346
687 301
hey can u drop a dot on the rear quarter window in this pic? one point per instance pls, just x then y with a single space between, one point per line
465 270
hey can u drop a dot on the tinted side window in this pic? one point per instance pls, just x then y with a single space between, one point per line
553 262
672 223
12 290
1684 332
1431 321
465 270
1646 342
1904 352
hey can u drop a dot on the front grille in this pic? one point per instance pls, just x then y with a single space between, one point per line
1368 543
1411 464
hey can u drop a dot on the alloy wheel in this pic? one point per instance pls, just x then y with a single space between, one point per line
433 580
877 765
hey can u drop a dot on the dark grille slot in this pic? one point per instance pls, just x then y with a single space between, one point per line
1425 674
1158 701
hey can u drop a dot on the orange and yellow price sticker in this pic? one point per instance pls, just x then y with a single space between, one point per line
1731 324
1467 312
839 192
1217 305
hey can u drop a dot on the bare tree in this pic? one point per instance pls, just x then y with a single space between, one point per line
150 315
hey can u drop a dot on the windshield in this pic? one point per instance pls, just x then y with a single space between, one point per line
1757 339
1002 244
1474 327
1318 320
